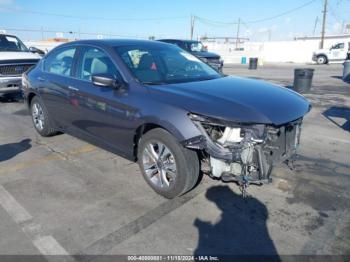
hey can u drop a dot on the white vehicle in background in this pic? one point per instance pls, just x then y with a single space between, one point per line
337 53
15 59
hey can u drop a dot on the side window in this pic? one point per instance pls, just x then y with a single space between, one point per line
60 62
339 46
95 61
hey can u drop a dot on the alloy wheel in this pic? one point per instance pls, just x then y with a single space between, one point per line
38 116
159 164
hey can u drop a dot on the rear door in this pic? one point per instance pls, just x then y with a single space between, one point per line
57 83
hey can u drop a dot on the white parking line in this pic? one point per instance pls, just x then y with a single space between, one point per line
15 210
46 244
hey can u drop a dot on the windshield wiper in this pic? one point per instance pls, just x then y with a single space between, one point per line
207 78
154 83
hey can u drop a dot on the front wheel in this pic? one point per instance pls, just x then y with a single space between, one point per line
169 168
321 60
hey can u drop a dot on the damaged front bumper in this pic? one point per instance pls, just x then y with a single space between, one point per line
241 152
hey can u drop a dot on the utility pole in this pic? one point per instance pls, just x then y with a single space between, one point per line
237 37
324 23
316 22
192 25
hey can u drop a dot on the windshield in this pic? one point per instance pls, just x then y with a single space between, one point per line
196 47
164 64
12 44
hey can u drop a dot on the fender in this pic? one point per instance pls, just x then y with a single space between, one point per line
181 126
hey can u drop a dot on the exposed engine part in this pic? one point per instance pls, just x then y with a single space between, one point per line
231 135
245 153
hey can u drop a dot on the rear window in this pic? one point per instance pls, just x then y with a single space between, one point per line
60 62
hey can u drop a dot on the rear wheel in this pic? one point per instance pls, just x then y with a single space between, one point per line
40 118
321 60
169 168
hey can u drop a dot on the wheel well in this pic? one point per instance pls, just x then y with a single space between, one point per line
140 131
30 98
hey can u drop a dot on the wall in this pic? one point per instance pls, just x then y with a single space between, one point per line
299 51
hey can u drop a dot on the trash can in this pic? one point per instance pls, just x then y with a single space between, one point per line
346 71
303 79
253 63
243 60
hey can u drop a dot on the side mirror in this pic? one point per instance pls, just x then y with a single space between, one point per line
36 50
106 81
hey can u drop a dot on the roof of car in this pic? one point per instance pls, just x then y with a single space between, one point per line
8 35
117 42
179 40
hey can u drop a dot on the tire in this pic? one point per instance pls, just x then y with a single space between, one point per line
39 114
321 60
174 157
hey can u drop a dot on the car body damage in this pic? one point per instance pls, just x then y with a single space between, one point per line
244 153
246 128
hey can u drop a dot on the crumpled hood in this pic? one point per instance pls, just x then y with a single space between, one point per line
235 99
18 56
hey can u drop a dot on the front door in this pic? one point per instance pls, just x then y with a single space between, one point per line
338 52
102 113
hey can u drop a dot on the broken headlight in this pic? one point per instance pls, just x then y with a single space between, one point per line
227 133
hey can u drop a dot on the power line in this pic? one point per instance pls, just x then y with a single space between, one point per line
91 17
334 12
221 23
215 23
282 14
71 32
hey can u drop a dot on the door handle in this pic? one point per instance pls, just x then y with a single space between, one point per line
41 79
73 88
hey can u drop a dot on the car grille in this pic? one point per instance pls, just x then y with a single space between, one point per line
14 70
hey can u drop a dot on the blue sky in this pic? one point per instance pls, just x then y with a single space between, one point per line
174 17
